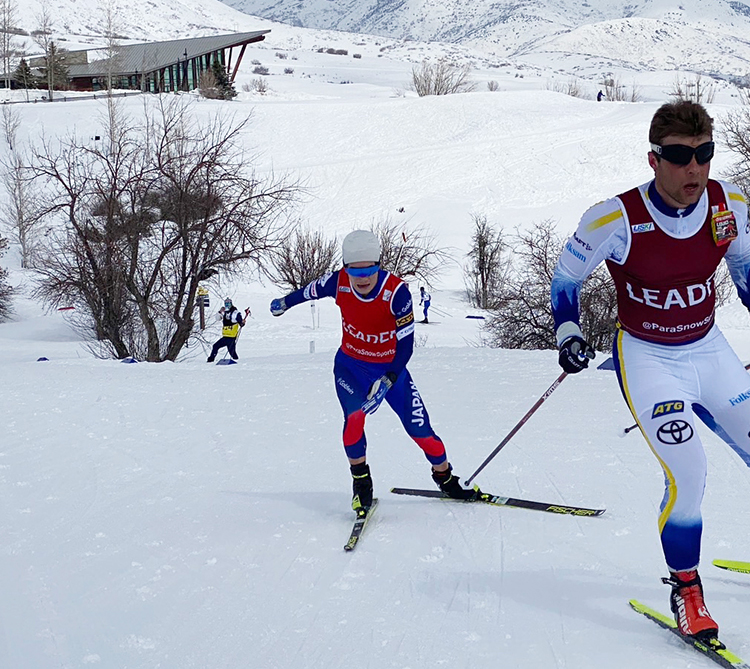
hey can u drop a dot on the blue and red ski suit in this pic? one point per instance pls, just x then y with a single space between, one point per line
377 337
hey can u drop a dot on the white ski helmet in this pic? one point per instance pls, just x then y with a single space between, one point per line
360 246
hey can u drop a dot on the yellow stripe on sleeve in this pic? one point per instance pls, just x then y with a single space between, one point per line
604 220
737 196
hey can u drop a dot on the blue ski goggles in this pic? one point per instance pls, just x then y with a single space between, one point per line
362 271
680 154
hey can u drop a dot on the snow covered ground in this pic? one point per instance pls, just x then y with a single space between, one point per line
185 515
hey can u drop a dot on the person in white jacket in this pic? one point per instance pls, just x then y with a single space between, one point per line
662 242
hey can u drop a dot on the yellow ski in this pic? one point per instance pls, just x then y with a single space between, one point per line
733 565
716 650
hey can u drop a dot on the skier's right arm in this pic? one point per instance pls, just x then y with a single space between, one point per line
325 286
601 234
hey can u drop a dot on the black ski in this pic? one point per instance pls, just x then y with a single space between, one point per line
496 500
716 650
363 515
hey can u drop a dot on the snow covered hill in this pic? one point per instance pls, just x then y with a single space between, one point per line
84 21
709 36
576 39
188 516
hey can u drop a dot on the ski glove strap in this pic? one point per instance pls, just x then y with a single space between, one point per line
376 394
575 354
278 306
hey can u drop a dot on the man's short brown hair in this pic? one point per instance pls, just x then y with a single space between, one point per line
685 118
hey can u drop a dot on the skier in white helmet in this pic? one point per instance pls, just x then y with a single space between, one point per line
377 319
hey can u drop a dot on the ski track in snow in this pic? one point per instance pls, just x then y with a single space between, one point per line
189 516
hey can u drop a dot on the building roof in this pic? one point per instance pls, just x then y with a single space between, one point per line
157 55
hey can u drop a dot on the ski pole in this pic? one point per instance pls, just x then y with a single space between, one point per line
632 427
226 352
519 425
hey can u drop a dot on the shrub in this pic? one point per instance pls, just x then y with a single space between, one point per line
522 316
260 85
698 90
302 258
616 91
735 132
410 252
440 78
571 87
487 264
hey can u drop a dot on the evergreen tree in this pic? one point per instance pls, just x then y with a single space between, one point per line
55 70
23 76
222 80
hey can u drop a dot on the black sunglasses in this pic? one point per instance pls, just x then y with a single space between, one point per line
679 154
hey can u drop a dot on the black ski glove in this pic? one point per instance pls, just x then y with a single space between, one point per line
575 354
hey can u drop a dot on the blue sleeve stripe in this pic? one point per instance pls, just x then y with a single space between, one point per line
565 306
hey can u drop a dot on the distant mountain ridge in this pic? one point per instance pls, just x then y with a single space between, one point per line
703 35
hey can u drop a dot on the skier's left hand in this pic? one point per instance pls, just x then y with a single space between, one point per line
376 394
278 306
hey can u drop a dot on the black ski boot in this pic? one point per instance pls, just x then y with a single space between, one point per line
361 487
451 486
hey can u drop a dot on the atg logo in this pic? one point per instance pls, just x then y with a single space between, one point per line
666 408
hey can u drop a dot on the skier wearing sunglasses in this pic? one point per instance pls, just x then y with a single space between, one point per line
377 320
662 242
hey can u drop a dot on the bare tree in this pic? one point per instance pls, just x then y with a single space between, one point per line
20 211
523 315
572 87
169 204
112 20
735 132
43 38
207 86
410 252
695 90
487 265
8 28
302 258
616 91
441 78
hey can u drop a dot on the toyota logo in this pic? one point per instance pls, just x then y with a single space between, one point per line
675 432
